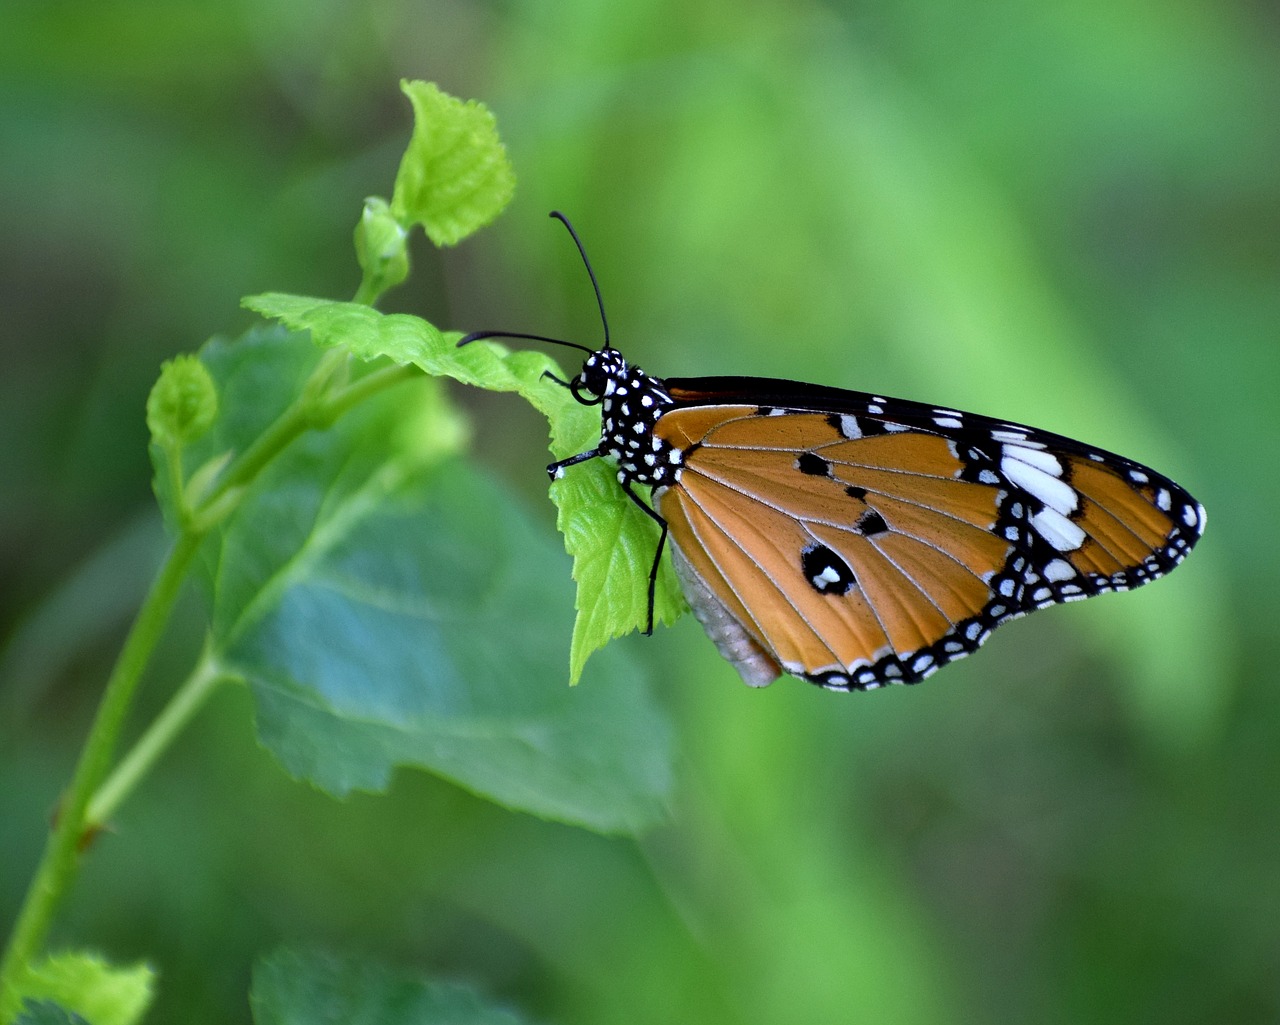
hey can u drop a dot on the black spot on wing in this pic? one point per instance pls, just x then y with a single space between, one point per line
814 465
871 523
826 572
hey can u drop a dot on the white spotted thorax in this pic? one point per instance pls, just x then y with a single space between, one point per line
631 402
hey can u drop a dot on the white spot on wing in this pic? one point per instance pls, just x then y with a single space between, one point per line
1059 570
827 576
1039 479
1045 461
1059 531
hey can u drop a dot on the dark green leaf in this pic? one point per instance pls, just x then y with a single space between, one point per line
611 541
46 1012
305 988
392 609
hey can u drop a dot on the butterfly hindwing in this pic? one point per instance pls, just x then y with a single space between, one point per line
855 540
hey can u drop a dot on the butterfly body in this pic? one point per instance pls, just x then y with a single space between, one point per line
855 540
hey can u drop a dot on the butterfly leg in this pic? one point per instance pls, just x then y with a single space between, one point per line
657 555
550 376
556 470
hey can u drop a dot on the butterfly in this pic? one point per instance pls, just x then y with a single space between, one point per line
855 540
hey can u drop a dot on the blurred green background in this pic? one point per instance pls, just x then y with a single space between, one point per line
1064 214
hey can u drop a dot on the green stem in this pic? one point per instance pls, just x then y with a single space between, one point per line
368 292
182 707
60 861
302 415
342 399
77 817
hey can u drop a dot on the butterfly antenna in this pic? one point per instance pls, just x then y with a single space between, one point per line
590 273
477 336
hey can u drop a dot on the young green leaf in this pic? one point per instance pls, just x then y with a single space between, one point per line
454 177
310 988
612 544
390 607
83 987
182 403
382 247
611 541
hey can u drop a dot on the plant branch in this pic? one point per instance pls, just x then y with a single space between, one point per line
91 796
60 860
182 707
306 412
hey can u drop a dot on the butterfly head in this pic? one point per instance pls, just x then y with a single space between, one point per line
600 375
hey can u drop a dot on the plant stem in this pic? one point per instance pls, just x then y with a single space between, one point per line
368 292
342 399
299 417
184 704
89 801
60 861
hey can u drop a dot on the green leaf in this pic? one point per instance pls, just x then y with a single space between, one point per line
611 541
78 987
390 607
382 247
182 403
454 177
311 988
612 544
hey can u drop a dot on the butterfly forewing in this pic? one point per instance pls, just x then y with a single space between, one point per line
857 541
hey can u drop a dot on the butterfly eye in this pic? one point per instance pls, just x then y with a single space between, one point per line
590 385
588 391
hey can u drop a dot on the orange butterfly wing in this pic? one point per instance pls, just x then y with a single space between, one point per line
878 542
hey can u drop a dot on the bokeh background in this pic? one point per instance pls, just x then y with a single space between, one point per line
1067 214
